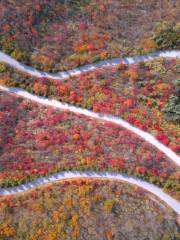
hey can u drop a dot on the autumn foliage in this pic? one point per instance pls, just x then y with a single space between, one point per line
36 141
126 91
60 35
83 207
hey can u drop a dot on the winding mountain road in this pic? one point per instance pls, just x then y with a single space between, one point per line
86 68
105 117
174 204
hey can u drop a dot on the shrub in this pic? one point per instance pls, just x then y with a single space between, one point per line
5 81
108 205
172 108
6 44
167 35
96 59
6 231
149 44
2 67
